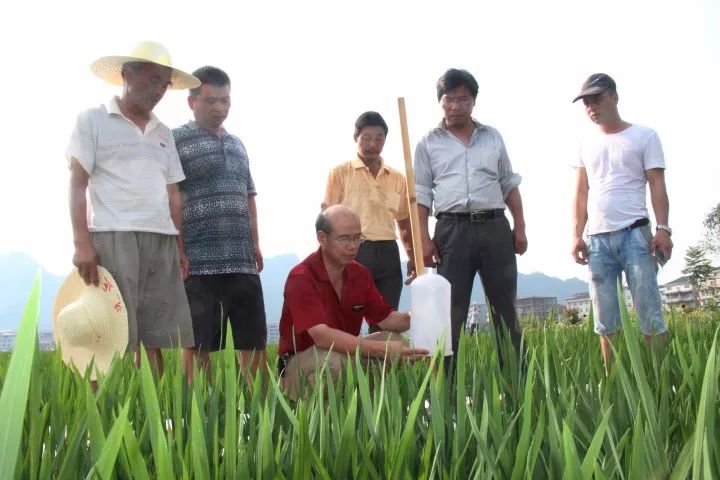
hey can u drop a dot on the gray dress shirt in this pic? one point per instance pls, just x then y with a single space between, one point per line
454 177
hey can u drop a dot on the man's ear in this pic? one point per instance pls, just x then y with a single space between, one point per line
322 238
191 102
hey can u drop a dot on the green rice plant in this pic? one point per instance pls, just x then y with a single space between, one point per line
553 415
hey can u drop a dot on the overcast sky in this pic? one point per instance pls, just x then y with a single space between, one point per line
303 71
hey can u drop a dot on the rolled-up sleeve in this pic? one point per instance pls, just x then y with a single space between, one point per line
507 178
423 175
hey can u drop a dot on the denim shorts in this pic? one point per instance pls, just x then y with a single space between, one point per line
626 250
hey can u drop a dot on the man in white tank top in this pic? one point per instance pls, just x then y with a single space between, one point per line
615 164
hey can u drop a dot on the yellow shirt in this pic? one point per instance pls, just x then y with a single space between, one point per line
379 201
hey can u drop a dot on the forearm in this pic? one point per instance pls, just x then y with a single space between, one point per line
78 203
343 342
661 205
175 200
395 322
579 214
514 203
405 230
254 231
423 215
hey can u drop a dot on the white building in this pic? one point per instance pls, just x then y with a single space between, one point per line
273 333
579 302
680 293
7 341
478 318
538 308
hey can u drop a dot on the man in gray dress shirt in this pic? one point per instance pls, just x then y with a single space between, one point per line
462 172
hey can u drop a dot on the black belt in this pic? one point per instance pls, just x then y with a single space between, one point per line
478 216
637 223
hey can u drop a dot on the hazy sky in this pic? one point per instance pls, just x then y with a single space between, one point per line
303 71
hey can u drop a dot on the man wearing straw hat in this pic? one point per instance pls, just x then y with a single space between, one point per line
220 229
378 194
327 296
124 199
463 172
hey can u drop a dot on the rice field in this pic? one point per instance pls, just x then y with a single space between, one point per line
654 416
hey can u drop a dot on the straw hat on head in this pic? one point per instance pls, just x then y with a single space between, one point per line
89 322
109 68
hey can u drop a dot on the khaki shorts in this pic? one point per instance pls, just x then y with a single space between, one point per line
146 267
301 369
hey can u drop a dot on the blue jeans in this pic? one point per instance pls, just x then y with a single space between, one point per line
612 253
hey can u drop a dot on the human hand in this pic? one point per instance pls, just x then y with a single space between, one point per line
580 251
86 260
411 274
520 240
661 241
431 255
259 259
184 266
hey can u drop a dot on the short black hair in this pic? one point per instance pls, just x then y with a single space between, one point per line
209 76
322 223
369 119
454 78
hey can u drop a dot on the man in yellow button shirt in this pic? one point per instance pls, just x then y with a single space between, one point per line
377 193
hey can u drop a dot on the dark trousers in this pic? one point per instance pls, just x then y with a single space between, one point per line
486 248
382 258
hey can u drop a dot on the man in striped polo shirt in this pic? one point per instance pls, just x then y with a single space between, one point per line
221 229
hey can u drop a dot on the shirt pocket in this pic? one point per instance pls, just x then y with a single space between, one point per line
484 160
392 201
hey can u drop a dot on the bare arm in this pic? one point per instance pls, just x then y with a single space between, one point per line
580 253
431 256
514 203
254 232
395 322
327 337
175 200
661 208
405 230
85 257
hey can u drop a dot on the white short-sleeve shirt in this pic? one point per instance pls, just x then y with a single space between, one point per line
616 165
129 170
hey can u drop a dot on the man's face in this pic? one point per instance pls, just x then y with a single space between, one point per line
457 105
601 108
370 143
341 245
146 88
211 106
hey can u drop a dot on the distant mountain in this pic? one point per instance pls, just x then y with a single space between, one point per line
18 273
19 270
528 285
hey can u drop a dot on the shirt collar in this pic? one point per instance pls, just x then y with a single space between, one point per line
441 126
114 109
317 266
358 163
192 125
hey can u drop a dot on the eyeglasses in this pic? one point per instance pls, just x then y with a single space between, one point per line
348 240
464 101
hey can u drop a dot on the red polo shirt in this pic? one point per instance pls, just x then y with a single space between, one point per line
310 300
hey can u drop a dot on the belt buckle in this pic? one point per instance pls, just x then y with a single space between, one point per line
477 216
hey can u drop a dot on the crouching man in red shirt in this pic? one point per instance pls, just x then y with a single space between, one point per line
326 298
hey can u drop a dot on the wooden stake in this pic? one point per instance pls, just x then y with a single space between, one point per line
412 200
